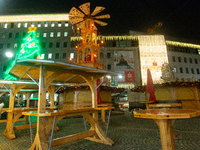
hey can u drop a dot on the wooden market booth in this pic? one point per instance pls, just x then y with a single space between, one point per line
47 72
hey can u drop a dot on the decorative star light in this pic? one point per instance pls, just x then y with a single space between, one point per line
32 29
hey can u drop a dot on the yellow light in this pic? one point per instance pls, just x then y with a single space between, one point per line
102 42
94 55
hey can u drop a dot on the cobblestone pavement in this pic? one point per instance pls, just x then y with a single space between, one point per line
127 132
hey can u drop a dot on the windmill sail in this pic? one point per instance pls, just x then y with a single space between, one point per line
85 8
97 10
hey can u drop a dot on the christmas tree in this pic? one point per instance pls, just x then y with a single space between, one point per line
31 47
30 50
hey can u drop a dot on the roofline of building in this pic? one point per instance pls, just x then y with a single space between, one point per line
34 17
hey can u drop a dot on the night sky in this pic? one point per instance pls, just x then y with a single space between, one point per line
181 18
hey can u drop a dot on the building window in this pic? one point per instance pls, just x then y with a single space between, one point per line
19 25
3 35
12 25
1 46
8 45
15 45
186 70
5 25
192 70
108 55
22 45
44 34
24 35
39 24
50 44
175 69
52 24
101 55
38 34
57 56
196 62
42 56
197 71
25 25
51 34
65 34
16 35
179 59
114 44
43 45
58 34
109 67
185 60
4 68
72 55
66 24
45 24
64 55
59 24
181 70
32 24
10 35
173 58
190 60
65 44
50 56
57 44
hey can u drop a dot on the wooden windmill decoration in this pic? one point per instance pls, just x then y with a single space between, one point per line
88 49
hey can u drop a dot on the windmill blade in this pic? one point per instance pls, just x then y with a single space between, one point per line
74 12
81 25
101 22
97 10
74 20
106 16
85 8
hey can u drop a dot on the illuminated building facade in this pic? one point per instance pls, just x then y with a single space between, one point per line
129 56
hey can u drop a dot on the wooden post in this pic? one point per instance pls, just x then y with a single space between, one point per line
51 93
40 142
9 127
166 133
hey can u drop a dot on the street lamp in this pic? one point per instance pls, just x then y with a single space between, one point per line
9 54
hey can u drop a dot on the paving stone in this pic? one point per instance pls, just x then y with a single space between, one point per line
127 132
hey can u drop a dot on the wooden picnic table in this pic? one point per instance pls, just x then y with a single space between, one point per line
165 119
56 115
165 105
147 103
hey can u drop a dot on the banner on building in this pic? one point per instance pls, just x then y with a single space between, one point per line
129 76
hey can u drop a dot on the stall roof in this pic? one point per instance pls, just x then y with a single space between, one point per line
23 68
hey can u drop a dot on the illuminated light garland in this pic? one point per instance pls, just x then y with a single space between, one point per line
182 44
107 88
30 48
167 84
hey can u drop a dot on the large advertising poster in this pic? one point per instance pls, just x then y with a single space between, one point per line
123 60
124 65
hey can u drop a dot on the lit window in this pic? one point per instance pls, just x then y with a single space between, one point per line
45 34
65 34
38 34
72 55
50 56
42 56
52 24
25 25
66 24
22 45
59 24
5 25
19 25
58 34
15 45
32 24
39 24
51 34
46 24
3 35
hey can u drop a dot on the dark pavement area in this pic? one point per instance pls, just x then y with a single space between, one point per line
127 132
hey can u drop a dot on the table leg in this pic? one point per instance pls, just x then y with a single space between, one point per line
147 106
166 133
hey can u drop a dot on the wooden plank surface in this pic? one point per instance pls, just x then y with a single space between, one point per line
166 105
165 113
